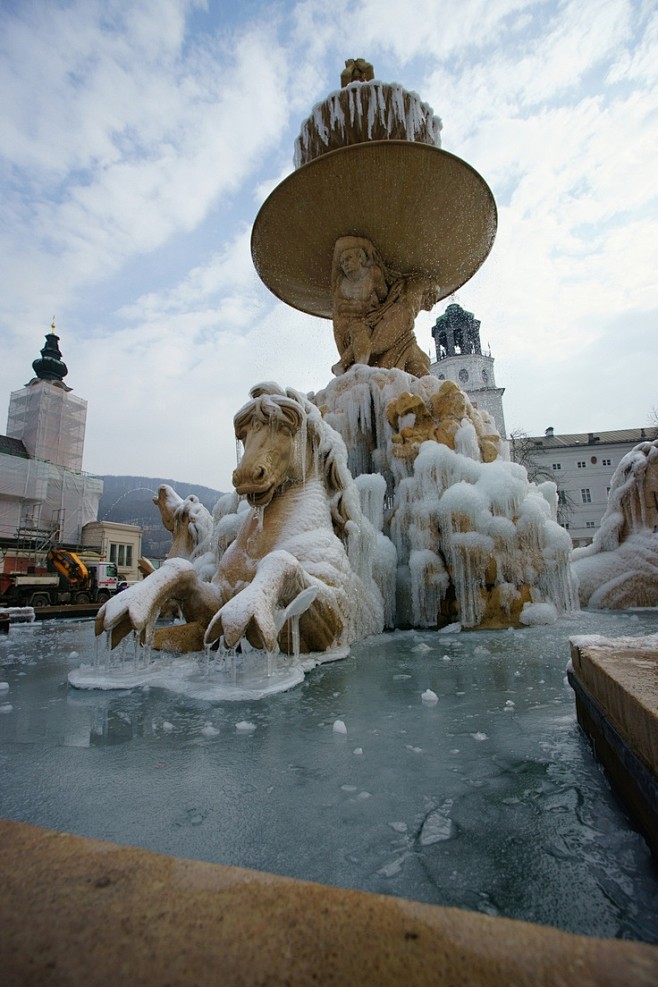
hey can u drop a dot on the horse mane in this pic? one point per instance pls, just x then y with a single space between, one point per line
271 403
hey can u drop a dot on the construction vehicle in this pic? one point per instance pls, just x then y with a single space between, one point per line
68 579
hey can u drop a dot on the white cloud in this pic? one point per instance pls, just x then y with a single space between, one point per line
136 150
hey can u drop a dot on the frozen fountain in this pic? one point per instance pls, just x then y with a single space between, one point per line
428 764
385 500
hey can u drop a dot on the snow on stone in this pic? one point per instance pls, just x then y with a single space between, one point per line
534 614
339 727
244 726
429 697
620 568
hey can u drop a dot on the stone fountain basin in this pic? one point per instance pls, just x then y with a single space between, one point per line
486 799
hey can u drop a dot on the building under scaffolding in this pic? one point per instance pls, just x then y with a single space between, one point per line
45 498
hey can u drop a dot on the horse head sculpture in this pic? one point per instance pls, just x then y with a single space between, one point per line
304 551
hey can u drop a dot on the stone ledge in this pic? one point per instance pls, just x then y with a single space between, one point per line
616 687
623 681
78 911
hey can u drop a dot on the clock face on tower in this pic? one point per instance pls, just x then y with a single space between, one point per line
463 375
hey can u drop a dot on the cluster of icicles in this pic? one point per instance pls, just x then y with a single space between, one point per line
366 112
455 523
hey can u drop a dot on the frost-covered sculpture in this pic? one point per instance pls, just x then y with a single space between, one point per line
476 542
374 309
299 572
191 527
620 568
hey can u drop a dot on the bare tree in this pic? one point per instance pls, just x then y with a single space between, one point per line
653 420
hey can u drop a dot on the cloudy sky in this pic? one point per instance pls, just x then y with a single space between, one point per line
138 139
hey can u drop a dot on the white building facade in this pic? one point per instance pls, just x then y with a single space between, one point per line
582 465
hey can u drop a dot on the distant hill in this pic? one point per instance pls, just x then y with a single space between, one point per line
129 500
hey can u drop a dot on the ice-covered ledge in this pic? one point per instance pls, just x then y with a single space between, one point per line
79 911
616 686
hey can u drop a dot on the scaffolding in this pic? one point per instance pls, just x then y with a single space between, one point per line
42 504
50 421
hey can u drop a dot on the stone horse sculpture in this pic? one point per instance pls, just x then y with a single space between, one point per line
304 549
620 568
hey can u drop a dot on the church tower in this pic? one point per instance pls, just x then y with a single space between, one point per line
45 415
459 358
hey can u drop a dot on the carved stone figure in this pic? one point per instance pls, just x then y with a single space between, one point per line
290 554
356 70
189 522
438 417
620 568
374 309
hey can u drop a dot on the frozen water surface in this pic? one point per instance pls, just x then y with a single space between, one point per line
487 798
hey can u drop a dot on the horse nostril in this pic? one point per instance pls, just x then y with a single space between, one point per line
258 473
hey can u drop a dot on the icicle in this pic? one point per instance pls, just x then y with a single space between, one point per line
258 513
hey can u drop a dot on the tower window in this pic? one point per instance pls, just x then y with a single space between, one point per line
463 375
485 377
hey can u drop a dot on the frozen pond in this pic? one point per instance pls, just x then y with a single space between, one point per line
487 798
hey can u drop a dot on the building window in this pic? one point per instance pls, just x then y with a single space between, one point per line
590 524
586 495
581 464
565 524
557 466
607 491
129 555
606 462
562 496
113 553
122 555
463 375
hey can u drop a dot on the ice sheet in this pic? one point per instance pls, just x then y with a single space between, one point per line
488 798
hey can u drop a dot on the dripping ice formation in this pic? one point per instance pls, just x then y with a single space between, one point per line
366 111
385 500
435 534
475 541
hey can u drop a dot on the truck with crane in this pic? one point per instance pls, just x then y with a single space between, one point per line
68 579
